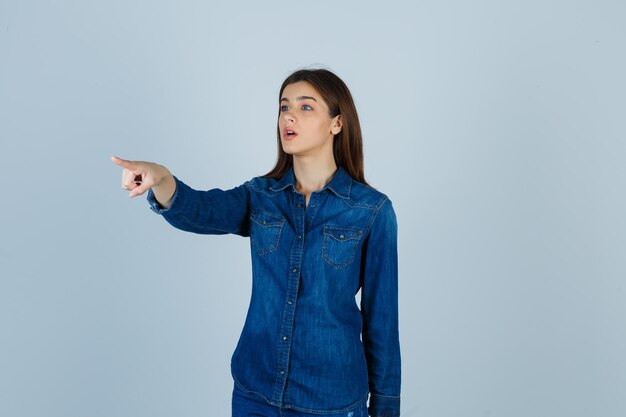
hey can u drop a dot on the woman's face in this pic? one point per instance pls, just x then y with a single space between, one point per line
306 129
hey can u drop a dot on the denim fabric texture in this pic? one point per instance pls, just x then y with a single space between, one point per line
250 404
306 344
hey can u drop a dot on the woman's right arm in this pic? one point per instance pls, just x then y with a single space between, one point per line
214 211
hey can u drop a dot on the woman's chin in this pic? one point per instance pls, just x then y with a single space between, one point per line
289 149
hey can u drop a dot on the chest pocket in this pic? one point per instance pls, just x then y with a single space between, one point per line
265 231
339 245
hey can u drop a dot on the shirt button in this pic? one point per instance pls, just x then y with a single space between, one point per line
295 270
312 205
299 236
341 236
290 302
282 372
284 337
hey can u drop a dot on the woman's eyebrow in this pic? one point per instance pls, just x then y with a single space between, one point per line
300 98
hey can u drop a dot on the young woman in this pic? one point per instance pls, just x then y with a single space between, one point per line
318 233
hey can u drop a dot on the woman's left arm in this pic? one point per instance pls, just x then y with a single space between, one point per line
379 308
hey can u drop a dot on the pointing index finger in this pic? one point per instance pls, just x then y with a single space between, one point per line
121 162
133 166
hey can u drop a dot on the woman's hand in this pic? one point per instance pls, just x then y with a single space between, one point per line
140 176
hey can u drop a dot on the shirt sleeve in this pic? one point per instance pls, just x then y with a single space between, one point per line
379 308
215 211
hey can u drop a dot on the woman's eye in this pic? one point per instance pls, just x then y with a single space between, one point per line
284 108
307 107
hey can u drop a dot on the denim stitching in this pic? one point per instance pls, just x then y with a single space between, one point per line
275 228
328 236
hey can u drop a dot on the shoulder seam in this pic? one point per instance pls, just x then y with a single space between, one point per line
369 227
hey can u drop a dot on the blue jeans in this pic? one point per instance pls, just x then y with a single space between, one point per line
247 404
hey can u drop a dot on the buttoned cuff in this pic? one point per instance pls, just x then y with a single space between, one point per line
384 406
157 207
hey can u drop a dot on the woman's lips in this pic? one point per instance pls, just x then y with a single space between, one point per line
289 133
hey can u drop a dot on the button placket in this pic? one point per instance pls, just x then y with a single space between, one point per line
284 343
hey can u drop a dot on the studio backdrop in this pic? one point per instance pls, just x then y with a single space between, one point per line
495 127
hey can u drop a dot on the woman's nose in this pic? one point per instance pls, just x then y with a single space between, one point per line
288 117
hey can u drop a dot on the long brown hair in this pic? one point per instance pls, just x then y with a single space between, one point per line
348 143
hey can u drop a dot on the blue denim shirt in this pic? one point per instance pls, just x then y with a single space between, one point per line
306 344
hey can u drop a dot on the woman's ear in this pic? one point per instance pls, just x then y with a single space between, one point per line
337 124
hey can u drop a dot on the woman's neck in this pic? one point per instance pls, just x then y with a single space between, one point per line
312 174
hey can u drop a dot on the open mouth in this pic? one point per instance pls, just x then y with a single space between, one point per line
289 133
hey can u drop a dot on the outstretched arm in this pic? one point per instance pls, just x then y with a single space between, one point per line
215 211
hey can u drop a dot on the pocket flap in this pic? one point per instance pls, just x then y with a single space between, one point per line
265 219
343 233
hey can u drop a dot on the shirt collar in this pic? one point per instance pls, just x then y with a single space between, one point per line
340 183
